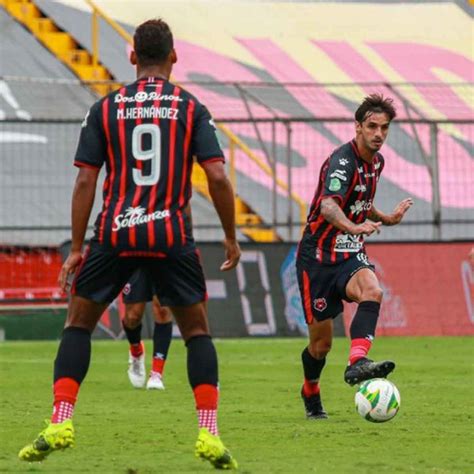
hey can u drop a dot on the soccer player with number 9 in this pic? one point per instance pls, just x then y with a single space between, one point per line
146 134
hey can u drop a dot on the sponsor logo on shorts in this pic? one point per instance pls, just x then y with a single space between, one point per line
362 257
135 216
320 304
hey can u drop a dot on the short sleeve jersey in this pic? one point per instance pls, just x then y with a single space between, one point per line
147 134
352 182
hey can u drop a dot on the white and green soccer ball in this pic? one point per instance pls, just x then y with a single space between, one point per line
377 400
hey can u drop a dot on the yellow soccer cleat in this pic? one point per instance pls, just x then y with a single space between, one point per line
52 438
210 447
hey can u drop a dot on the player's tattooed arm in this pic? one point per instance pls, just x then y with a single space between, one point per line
395 217
378 216
331 211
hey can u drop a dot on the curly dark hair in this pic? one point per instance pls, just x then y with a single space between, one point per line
153 42
375 103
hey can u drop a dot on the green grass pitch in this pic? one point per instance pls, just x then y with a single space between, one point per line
124 430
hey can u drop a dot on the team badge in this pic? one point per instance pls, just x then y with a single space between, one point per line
334 185
320 304
126 289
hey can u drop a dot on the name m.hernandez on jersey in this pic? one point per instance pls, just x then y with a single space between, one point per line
352 182
146 133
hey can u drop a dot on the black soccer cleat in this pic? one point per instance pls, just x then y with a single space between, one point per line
313 407
365 369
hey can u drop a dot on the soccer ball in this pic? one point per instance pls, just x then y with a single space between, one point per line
377 400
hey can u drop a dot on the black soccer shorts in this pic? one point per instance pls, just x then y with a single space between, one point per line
323 287
176 280
138 289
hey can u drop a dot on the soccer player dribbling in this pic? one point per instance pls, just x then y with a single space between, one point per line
146 133
331 262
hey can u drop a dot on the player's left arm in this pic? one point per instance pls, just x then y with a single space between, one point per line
395 217
206 148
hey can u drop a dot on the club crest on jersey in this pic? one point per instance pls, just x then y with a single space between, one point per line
135 216
320 304
334 185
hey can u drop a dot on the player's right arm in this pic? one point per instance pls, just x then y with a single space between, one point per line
82 202
89 158
331 211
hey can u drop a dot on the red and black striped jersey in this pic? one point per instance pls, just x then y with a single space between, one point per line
147 133
352 182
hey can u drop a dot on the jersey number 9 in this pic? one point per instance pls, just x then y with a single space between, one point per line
153 153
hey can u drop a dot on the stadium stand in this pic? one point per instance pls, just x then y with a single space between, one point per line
284 78
244 79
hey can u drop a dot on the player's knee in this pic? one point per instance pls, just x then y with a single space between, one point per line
162 314
372 293
132 318
320 348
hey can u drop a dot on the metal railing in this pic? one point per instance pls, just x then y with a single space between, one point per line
274 155
37 175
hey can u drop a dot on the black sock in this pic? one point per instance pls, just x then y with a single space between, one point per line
162 339
312 367
202 361
74 354
365 320
134 335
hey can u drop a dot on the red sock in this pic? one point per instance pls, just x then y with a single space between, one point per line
310 388
158 365
359 348
137 349
206 397
65 396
